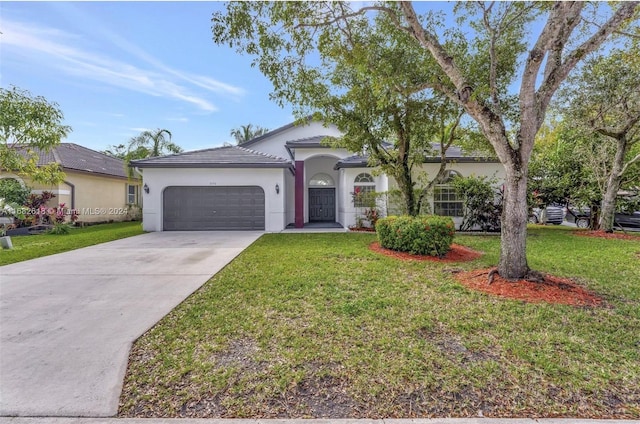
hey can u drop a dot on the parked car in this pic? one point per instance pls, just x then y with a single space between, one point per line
627 221
555 215
579 216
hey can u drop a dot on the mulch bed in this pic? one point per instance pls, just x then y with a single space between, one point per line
456 254
551 290
362 230
602 234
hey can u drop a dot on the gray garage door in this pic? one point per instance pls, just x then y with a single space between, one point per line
213 208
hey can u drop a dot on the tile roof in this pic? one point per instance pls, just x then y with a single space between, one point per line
315 141
217 157
453 154
73 157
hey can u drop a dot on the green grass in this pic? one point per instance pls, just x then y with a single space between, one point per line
35 246
317 325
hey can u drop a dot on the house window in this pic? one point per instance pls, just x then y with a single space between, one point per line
445 200
363 188
321 180
132 194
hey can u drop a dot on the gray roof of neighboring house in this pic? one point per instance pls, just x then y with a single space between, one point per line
453 154
217 157
73 157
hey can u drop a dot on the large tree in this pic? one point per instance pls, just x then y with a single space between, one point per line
477 61
368 84
29 126
247 132
603 101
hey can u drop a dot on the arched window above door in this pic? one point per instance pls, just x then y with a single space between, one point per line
321 180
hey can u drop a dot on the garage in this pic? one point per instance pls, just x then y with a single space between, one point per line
188 208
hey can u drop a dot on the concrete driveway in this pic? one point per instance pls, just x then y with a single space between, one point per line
67 321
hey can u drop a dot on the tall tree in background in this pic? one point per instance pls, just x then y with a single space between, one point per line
156 143
247 132
603 101
473 69
29 125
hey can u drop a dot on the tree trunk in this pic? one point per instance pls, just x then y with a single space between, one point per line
405 183
608 208
513 258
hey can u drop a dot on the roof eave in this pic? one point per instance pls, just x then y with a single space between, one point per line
351 165
212 165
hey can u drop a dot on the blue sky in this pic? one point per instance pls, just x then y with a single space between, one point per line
118 68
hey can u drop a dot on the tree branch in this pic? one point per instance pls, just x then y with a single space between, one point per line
554 75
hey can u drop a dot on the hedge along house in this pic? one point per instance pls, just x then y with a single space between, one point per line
285 178
96 185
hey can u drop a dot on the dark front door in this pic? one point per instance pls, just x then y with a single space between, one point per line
322 205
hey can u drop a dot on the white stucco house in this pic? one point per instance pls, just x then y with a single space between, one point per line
284 178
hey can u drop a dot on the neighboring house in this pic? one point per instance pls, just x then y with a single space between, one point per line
96 185
284 178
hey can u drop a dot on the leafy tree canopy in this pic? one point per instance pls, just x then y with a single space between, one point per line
602 102
29 125
368 80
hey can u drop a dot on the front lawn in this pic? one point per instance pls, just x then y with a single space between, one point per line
317 325
35 246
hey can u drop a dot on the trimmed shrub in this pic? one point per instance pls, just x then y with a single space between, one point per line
421 235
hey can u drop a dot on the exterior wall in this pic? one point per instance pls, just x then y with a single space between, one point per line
346 209
96 198
308 153
158 179
99 199
465 169
275 145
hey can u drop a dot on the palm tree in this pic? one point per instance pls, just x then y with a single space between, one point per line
157 143
247 132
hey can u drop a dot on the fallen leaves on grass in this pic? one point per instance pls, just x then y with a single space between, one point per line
551 290
456 254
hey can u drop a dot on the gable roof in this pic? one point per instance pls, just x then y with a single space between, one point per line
73 157
217 157
276 131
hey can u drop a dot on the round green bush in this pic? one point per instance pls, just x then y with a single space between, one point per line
420 235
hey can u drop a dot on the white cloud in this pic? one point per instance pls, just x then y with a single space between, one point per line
178 119
63 51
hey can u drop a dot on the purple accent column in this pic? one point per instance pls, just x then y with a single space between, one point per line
299 197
